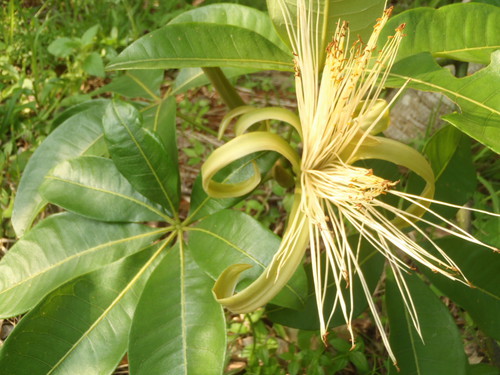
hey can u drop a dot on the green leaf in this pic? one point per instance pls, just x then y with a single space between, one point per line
232 237
82 327
161 120
60 248
372 264
178 327
136 84
79 134
202 205
465 32
441 148
482 369
89 35
202 45
93 65
480 266
361 15
63 47
236 15
477 95
93 187
442 352
457 182
141 157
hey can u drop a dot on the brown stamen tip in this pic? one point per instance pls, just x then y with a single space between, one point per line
395 363
401 27
324 338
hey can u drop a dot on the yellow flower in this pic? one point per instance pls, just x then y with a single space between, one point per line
339 113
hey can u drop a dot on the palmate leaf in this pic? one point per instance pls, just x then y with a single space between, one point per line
81 327
61 248
178 327
78 134
465 32
202 45
441 351
477 95
232 237
141 157
93 187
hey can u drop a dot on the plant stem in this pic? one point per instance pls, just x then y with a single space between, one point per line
226 91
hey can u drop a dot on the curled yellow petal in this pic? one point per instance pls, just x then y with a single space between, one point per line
270 113
237 148
275 276
238 111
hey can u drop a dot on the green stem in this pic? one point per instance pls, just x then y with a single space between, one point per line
226 91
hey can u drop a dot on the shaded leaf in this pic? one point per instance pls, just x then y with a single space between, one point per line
232 237
78 135
93 187
141 157
59 249
441 148
480 266
436 31
202 45
178 327
442 351
82 327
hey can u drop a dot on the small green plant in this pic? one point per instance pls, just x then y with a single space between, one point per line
129 264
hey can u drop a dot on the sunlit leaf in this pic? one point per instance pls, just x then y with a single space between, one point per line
82 327
141 157
79 134
202 45
477 95
59 249
236 15
435 31
93 187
